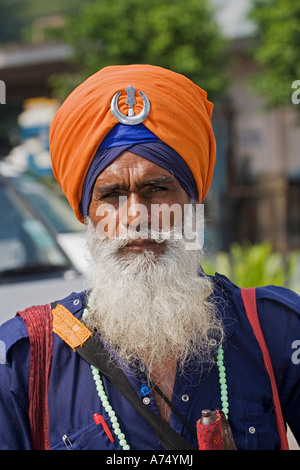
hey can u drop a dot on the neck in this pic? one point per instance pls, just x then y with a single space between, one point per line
163 375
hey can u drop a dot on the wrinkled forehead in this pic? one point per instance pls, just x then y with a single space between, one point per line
129 166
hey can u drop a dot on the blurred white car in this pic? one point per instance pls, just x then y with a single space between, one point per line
41 245
54 211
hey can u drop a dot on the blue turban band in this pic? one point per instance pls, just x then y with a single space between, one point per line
140 141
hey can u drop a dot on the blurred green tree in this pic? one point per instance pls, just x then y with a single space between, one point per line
181 35
17 16
11 21
277 49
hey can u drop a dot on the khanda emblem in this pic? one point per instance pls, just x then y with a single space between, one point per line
130 119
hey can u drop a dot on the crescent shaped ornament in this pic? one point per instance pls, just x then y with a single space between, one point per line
130 119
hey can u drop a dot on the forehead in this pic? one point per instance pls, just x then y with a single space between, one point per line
131 166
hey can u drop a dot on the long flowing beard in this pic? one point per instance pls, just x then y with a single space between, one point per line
150 308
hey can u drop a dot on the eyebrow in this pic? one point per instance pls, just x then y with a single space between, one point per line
107 187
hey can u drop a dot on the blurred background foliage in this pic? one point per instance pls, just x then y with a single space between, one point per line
255 265
18 16
182 35
277 48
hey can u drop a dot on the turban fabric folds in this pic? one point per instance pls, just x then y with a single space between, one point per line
180 117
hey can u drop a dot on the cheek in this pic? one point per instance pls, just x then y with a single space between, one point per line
167 217
105 219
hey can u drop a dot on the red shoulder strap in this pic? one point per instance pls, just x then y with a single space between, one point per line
39 326
249 299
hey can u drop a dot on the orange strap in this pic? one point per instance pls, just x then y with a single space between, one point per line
71 330
249 299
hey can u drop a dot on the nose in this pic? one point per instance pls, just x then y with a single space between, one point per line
134 214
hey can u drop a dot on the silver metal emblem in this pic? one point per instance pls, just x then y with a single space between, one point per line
130 119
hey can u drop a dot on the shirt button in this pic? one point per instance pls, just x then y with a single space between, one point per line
76 302
252 429
146 400
185 397
145 390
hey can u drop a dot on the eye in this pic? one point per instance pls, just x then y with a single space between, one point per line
112 194
156 189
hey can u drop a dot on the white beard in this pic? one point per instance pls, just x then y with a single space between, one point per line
150 308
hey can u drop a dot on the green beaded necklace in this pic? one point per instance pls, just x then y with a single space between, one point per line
112 415
108 408
222 381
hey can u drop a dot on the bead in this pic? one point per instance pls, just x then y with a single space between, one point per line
222 381
225 406
108 408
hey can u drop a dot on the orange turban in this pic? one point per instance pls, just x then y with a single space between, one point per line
180 116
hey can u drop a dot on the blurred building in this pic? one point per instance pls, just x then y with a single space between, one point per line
258 172
256 187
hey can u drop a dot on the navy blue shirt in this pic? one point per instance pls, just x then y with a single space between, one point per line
73 398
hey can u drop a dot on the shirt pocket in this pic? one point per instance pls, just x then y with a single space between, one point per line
96 439
89 438
261 431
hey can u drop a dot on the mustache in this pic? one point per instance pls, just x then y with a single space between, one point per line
129 235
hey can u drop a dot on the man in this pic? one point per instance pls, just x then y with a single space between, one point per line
132 148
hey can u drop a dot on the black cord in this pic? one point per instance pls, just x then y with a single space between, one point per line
173 408
168 402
